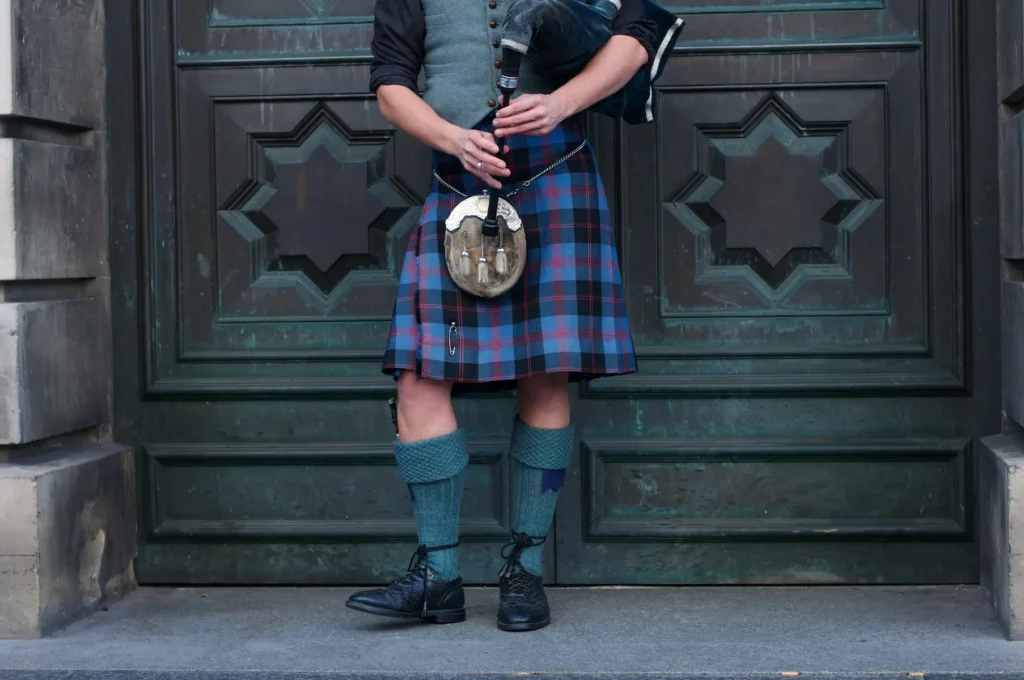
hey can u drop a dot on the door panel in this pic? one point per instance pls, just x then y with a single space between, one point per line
790 224
262 30
280 204
792 250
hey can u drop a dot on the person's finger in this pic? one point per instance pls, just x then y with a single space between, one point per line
485 141
518 105
479 156
506 127
526 112
529 128
480 166
490 181
494 171
524 117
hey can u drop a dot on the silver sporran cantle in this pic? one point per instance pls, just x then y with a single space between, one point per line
482 265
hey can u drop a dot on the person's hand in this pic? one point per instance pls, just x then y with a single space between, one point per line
476 150
530 114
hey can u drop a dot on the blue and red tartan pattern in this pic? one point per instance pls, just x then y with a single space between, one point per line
566 313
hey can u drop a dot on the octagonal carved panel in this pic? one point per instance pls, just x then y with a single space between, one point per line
773 195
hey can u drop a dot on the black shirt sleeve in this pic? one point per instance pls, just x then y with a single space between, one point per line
633 21
397 46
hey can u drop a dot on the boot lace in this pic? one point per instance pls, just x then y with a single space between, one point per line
515 579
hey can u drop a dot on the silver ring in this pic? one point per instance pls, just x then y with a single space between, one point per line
479 165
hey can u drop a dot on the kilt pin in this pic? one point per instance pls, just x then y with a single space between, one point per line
565 315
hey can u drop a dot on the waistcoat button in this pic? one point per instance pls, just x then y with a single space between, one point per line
492 103
496 43
492 4
494 24
497 64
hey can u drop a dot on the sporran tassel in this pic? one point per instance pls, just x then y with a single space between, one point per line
500 261
464 261
481 271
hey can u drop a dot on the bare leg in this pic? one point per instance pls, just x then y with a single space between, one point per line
544 401
424 408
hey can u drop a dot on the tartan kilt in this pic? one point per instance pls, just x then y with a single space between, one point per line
566 314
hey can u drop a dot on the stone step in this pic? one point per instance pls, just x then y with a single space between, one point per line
614 634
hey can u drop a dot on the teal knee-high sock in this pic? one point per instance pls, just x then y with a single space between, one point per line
539 459
435 469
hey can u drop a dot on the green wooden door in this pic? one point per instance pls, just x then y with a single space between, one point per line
794 247
275 207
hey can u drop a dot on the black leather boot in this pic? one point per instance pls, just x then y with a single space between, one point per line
418 594
522 604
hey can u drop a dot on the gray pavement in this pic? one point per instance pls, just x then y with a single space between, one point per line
833 632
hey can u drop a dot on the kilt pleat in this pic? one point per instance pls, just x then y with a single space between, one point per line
565 315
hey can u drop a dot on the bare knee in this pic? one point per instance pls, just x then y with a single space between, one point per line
424 408
544 401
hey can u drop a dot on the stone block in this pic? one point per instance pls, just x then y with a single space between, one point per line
67 537
53 209
52 64
54 368
1001 486
1011 187
1010 49
1012 368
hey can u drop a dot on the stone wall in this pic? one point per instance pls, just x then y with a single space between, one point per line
1001 464
67 499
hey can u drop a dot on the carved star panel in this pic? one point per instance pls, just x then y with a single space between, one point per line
292 204
311 202
295 201
316 211
773 195
772 207
798 233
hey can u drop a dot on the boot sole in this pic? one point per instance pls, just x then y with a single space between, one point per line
438 616
523 627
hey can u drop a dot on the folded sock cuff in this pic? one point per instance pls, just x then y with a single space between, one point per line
432 460
541 449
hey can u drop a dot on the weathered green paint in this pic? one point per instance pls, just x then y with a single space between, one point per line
794 247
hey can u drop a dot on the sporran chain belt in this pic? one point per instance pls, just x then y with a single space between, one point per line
527 183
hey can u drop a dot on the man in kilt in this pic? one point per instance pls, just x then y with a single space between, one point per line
563 321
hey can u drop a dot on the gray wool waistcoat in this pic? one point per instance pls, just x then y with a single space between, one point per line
461 60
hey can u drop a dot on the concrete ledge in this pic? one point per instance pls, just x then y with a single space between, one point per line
1001 483
67 537
53 377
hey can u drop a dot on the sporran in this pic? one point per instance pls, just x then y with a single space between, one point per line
480 264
